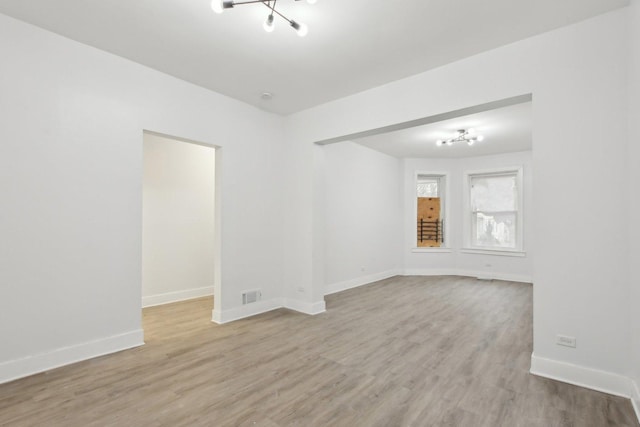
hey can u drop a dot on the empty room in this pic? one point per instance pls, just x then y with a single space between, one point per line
319 213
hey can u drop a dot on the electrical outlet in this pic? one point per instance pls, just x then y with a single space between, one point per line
566 341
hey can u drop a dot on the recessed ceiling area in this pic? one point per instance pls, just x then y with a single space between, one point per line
352 45
505 130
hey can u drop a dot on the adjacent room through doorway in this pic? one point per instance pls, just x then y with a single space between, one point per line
178 220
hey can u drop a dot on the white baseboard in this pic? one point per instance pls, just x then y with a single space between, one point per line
469 273
306 307
24 367
635 399
248 310
496 276
359 281
170 297
606 382
260 307
430 272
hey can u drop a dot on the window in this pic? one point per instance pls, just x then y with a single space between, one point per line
430 211
494 210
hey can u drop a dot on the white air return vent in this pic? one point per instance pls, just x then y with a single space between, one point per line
249 297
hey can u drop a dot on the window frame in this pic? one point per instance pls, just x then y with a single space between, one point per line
446 244
467 225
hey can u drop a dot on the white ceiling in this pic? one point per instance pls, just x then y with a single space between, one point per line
353 45
506 130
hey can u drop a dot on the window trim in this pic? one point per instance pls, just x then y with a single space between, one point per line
467 247
446 244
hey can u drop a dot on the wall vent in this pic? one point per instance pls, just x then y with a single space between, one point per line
249 297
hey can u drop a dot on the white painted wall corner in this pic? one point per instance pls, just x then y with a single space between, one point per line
24 367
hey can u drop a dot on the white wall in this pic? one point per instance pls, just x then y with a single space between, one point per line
456 262
634 199
577 76
71 190
178 227
363 210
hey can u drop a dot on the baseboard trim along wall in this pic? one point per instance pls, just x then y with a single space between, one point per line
486 275
169 297
260 307
606 382
496 276
365 280
248 310
635 399
359 281
30 365
311 308
430 272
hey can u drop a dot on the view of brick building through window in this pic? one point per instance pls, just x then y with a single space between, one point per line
430 215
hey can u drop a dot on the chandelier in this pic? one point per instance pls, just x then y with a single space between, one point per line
462 135
219 6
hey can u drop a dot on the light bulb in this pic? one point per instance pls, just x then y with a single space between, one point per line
216 5
303 30
480 138
268 24
439 142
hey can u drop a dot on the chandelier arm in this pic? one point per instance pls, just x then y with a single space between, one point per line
273 10
264 2
240 3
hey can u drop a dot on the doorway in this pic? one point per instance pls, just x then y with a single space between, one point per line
179 221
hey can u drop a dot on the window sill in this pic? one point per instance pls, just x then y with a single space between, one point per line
497 252
432 250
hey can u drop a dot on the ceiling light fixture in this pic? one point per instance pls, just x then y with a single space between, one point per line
219 6
462 135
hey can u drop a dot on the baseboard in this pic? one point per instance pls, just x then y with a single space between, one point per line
606 382
430 272
170 297
635 399
248 310
264 306
488 275
24 367
359 281
306 307
469 273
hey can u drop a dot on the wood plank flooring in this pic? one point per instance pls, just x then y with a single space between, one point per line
406 351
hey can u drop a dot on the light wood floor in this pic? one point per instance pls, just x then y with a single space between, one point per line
406 351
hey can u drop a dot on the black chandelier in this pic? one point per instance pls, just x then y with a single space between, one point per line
219 6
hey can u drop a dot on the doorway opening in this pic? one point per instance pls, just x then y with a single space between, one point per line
180 223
